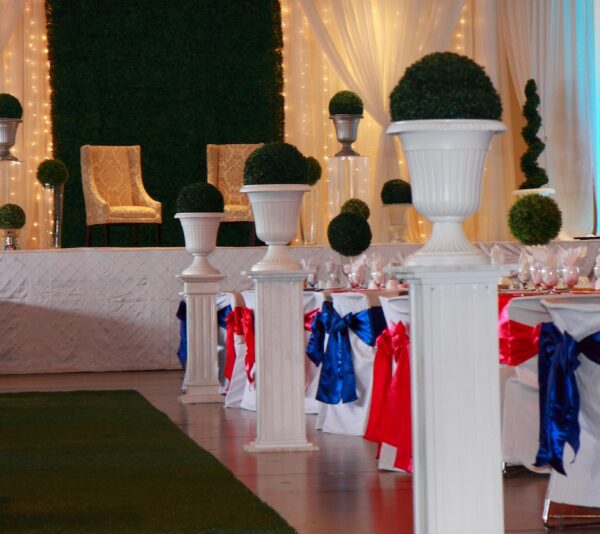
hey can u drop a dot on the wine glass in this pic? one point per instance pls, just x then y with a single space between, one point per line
549 277
524 275
536 276
312 280
571 276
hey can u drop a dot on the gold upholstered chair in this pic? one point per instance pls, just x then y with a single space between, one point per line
114 192
225 170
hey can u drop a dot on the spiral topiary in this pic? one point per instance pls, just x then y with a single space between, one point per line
444 85
313 170
396 192
345 103
12 217
10 107
199 197
535 219
52 172
535 176
275 163
356 206
349 234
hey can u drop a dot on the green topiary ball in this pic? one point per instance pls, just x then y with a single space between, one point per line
356 206
345 103
444 85
199 197
52 172
313 169
349 234
396 192
12 217
275 163
535 220
10 107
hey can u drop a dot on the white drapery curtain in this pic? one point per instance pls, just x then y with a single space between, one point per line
24 73
363 46
552 42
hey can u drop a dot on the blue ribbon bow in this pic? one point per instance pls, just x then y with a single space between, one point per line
338 381
182 316
559 395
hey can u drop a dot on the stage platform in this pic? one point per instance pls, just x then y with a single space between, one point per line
113 309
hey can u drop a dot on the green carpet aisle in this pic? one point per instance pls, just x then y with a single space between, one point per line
110 462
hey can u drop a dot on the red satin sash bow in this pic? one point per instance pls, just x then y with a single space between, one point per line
248 328
518 341
390 417
308 319
233 325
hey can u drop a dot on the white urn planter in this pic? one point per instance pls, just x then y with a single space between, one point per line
8 135
446 159
275 208
200 234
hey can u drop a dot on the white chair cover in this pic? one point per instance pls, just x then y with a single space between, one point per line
396 310
351 418
580 317
236 387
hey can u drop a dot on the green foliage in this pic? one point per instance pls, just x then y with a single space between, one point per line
11 217
313 169
356 206
275 163
444 85
199 197
345 103
396 192
349 234
535 176
52 172
169 76
10 107
535 219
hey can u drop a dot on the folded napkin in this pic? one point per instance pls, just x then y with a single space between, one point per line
496 255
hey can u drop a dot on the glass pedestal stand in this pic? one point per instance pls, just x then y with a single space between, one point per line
347 177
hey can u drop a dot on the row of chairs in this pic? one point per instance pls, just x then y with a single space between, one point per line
114 191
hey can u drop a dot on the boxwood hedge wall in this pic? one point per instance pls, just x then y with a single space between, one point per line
169 76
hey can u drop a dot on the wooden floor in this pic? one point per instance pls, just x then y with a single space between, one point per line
335 490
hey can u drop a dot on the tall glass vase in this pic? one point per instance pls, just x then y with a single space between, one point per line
308 216
53 196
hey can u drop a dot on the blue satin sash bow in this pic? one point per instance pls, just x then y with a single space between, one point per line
559 395
337 381
182 316
222 316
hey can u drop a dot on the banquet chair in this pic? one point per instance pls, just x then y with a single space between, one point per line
113 190
395 310
350 418
242 392
225 170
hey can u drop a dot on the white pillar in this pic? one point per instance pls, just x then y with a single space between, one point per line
279 338
200 298
457 481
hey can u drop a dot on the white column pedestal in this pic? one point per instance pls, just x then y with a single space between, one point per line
457 481
200 298
279 338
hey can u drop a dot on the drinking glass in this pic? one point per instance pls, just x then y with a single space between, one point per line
523 275
549 277
536 276
570 276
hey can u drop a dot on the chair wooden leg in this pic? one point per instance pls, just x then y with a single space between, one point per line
157 229
88 236
136 235
106 235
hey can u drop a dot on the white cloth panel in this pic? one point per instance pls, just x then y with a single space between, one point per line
24 73
367 44
549 41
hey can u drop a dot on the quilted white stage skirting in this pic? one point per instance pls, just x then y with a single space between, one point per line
113 309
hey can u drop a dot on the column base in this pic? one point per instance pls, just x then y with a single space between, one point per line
279 447
201 395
